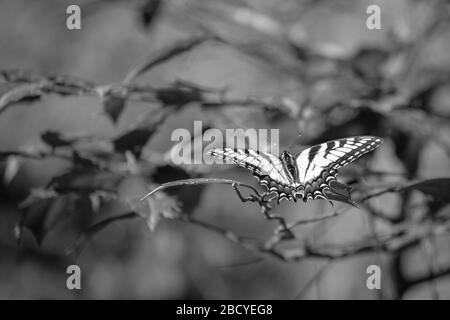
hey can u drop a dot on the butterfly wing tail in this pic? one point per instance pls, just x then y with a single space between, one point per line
340 192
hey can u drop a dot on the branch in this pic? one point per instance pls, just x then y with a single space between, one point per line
197 181
87 234
312 220
162 56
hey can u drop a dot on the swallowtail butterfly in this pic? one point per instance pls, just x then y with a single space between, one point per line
306 175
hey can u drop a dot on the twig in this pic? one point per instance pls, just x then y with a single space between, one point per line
312 220
76 248
197 181
162 56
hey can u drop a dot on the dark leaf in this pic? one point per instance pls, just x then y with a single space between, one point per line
100 197
113 106
135 139
408 148
149 11
438 189
85 161
367 62
302 52
423 98
34 220
44 210
36 217
178 96
188 197
86 181
340 192
55 139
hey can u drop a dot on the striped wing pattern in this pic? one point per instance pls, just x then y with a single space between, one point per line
267 168
317 166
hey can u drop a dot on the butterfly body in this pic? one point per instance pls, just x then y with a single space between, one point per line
306 175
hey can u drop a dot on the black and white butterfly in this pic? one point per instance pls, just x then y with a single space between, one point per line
306 175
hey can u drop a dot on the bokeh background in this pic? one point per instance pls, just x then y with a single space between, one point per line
309 67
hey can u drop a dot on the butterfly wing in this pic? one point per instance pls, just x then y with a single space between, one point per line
317 166
267 168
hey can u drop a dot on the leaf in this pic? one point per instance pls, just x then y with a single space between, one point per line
97 198
149 12
340 192
188 197
36 216
367 63
54 139
21 93
12 168
83 161
436 188
135 139
113 106
37 195
44 210
157 207
178 96
86 181
34 219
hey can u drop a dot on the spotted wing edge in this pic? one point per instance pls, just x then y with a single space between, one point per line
316 188
262 164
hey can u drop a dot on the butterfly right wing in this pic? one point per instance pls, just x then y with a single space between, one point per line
266 167
318 165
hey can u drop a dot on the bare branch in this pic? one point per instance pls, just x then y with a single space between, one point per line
312 220
197 182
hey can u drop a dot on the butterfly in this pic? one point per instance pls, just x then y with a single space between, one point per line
310 174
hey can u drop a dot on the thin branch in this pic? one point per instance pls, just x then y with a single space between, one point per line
197 181
313 280
162 56
77 247
312 220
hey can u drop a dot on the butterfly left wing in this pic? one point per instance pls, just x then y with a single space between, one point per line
317 166
266 167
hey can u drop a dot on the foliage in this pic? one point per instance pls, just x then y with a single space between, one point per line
381 100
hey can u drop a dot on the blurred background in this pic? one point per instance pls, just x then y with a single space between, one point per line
86 118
